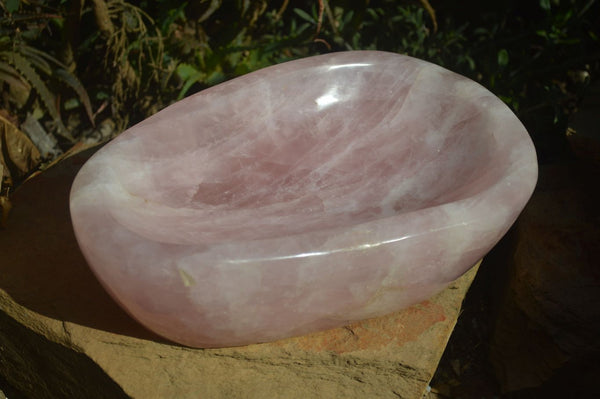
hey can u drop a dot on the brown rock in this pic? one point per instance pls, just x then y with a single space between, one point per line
550 319
61 335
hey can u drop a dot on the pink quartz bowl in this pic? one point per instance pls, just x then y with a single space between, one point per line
302 197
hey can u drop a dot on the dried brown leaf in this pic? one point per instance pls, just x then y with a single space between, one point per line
18 155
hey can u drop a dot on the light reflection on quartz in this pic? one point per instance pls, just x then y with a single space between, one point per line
331 97
334 251
319 253
331 68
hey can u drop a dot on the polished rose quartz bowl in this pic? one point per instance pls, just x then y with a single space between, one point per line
301 197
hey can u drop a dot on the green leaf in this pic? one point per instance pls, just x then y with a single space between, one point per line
37 59
71 103
8 73
545 5
189 75
28 51
373 13
172 16
185 71
346 19
470 61
305 16
503 57
12 5
215 78
102 95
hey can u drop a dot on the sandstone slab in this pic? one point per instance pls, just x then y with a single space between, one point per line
62 336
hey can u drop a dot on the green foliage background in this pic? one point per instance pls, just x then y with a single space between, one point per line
76 63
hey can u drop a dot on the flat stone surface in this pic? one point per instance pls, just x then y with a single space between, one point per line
62 336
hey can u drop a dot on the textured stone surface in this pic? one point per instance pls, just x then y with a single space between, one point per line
553 286
302 197
549 320
61 336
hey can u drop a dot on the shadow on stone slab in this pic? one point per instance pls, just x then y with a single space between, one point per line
42 369
42 266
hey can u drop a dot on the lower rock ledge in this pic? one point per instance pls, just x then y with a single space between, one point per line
92 363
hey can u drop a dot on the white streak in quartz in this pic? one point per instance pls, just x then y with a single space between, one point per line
301 197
